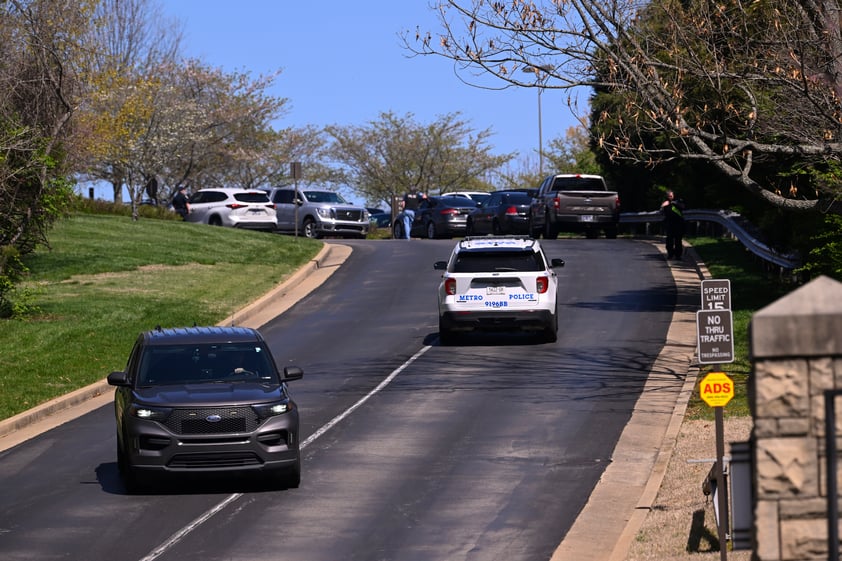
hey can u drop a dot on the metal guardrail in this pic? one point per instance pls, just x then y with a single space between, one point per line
729 220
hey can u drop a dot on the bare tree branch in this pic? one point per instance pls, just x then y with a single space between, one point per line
737 85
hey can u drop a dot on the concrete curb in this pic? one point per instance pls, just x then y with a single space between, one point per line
32 422
301 283
52 407
653 486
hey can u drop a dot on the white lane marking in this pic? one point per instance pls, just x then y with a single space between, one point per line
182 533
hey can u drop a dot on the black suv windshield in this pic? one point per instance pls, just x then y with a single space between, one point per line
486 262
204 363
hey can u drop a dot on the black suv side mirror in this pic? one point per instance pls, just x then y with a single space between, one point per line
292 373
118 379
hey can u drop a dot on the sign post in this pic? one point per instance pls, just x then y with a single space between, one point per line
717 389
715 328
295 173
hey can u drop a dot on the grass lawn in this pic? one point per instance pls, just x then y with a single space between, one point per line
752 288
106 278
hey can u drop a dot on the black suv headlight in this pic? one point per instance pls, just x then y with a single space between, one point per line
266 410
150 413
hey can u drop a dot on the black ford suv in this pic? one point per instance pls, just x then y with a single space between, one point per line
205 399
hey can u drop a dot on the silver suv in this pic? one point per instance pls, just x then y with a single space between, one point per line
318 213
498 283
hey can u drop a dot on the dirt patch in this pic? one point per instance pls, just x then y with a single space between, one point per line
681 525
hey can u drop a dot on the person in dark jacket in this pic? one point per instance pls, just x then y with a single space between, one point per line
180 204
673 211
411 202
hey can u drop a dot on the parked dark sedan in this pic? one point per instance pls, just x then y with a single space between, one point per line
505 212
381 219
438 217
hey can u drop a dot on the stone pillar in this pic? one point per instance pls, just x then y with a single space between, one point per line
796 351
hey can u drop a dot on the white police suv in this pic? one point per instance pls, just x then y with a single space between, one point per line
498 283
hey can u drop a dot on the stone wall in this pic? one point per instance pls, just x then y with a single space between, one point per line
796 348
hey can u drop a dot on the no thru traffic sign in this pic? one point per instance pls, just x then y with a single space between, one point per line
716 389
715 336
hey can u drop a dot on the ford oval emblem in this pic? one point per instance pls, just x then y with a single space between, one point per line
213 418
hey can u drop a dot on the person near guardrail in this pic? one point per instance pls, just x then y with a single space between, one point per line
673 210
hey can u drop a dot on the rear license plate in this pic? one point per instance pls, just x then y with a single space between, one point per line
495 290
586 218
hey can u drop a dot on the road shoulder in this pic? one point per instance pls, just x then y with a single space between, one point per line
628 488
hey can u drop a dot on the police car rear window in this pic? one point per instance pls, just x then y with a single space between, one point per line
480 262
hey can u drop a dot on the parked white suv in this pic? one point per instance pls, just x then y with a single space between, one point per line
237 208
318 213
498 283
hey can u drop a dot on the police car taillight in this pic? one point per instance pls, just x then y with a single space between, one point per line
542 284
450 286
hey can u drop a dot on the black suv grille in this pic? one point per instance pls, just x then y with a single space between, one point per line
214 460
213 420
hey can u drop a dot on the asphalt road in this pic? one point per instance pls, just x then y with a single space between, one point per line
485 450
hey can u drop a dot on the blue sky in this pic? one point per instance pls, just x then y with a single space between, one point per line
342 63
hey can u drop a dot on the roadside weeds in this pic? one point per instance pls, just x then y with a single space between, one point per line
681 526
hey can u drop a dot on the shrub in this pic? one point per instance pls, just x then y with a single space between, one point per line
825 257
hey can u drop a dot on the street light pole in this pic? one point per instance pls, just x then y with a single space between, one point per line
540 72
540 138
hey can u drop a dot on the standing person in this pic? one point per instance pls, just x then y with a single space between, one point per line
180 203
673 211
411 201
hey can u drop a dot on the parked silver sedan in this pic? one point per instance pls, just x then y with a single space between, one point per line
237 208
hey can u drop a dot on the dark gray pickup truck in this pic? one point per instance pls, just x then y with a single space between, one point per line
574 202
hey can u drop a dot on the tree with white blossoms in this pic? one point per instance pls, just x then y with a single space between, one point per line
129 41
185 124
394 155
154 119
